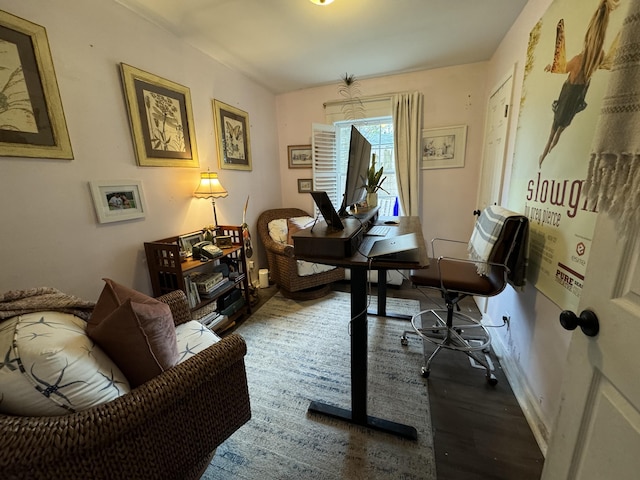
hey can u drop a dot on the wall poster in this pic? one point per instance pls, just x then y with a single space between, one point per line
566 72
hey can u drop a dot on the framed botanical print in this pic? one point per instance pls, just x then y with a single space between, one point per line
233 140
161 119
32 122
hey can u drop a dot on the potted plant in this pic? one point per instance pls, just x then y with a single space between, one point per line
374 183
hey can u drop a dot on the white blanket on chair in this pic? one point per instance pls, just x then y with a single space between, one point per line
485 233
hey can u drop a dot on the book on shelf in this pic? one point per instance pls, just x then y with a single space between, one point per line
220 286
206 282
192 292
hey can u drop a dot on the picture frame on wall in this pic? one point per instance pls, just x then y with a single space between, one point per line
32 120
233 137
118 200
305 185
300 156
443 147
161 119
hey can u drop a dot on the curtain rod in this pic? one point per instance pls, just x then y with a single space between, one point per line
370 98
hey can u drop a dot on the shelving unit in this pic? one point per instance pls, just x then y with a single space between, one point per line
169 272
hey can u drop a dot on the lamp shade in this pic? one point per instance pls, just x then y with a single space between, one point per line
321 2
210 186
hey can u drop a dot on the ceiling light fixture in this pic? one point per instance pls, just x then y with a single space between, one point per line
321 2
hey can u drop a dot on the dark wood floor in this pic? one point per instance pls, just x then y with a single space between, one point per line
479 430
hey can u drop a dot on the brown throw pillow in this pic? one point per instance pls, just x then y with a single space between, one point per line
135 330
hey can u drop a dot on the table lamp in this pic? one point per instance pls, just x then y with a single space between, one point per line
210 187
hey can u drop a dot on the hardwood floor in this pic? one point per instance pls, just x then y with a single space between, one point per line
479 430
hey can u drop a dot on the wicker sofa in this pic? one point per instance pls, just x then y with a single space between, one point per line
167 428
282 262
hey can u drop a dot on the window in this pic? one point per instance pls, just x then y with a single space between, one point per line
331 155
379 133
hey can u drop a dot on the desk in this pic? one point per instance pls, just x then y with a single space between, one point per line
359 266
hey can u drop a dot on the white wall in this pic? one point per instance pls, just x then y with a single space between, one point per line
452 96
534 349
50 235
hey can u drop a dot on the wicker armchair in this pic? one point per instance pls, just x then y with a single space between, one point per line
167 428
282 262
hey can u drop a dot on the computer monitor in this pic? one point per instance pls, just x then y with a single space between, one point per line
359 157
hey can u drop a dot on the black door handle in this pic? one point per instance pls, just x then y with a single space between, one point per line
587 321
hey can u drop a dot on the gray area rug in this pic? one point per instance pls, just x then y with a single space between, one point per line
299 351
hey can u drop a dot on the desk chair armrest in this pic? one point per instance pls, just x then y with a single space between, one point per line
443 240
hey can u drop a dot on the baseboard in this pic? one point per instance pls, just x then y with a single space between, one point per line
522 392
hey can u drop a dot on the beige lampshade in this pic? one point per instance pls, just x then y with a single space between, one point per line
321 2
210 186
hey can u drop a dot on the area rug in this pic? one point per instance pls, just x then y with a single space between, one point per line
299 351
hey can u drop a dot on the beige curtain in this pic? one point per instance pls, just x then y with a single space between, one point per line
407 129
613 180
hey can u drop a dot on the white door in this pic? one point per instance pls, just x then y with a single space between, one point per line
494 154
495 143
597 433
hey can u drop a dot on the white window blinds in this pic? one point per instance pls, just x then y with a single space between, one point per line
325 164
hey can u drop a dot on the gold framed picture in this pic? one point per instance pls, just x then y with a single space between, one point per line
161 119
233 138
32 120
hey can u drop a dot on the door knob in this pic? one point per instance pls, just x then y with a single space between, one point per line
587 321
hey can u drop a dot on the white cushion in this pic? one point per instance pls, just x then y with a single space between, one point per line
193 337
308 268
278 230
48 366
302 222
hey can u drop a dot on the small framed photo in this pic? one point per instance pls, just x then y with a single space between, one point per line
233 139
299 156
444 147
188 241
32 121
305 185
161 119
118 200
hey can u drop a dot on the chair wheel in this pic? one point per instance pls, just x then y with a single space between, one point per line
492 380
404 341
425 372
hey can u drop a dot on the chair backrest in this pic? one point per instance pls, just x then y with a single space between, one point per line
506 233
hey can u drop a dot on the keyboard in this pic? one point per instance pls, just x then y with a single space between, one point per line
378 231
366 245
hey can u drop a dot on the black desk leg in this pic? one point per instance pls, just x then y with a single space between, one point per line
382 299
359 351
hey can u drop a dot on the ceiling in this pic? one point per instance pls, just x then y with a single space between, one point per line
287 45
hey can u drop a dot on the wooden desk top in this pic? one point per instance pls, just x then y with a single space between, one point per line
404 225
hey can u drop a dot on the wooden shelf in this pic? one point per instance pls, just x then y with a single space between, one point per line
168 271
